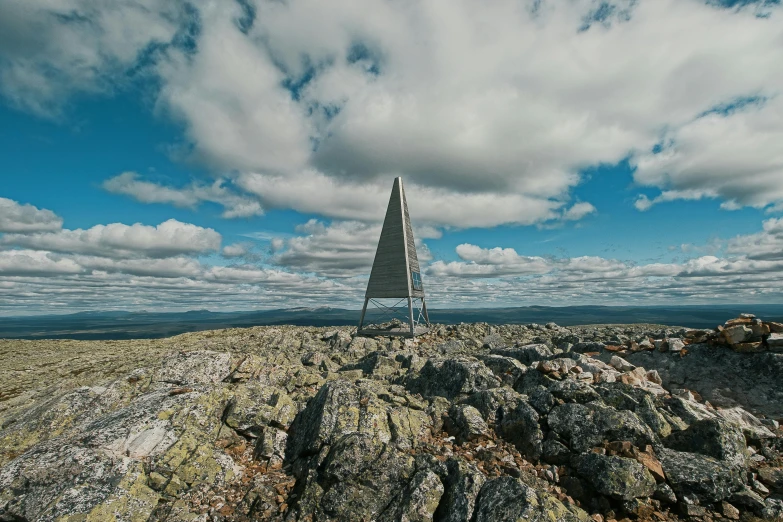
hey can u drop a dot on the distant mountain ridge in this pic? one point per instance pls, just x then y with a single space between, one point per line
108 325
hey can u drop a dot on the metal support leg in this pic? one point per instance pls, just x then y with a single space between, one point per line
410 317
364 309
424 309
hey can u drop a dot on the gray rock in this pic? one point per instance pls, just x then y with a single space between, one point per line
541 399
520 426
700 476
664 493
466 423
462 486
507 369
714 437
617 477
775 342
418 501
509 499
583 427
737 334
198 367
452 378
555 452
773 478
620 364
527 354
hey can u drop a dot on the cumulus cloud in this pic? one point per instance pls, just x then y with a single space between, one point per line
341 249
236 250
25 218
117 240
235 205
41 280
314 192
51 50
732 154
764 245
35 263
578 211
159 286
473 104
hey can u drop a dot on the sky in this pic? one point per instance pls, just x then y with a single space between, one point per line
239 154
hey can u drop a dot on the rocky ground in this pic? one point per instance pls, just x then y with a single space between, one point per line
468 423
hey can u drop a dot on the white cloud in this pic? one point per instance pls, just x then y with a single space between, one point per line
39 280
235 205
341 249
767 244
35 263
734 156
236 250
489 111
24 219
314 192
117 240
578 211
51 50
230 97
643 203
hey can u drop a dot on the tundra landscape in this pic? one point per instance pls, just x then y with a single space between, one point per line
470 422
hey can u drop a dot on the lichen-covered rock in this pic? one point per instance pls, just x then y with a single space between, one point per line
520 426
507 369
466 423
462 486
584 427
509 499
714 437
255 405
418 501
452 378
199 367
528 354
617 477
700 476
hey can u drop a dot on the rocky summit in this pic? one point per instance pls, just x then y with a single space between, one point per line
469 422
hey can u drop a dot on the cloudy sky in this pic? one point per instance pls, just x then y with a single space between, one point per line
238 154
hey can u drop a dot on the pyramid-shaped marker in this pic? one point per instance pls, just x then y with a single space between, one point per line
395 271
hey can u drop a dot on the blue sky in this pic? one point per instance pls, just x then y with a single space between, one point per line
158 155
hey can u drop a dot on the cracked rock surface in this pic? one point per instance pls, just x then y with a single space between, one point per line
467 423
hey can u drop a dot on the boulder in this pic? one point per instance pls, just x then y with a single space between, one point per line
699 476
466 423
737 334
527 354
509 499
583 427
462 486
507 369
617 477
772 478
452 378
418 501
775 342
620 364
714 437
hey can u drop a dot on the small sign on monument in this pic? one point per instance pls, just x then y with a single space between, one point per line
394 303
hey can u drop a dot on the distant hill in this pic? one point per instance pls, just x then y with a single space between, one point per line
96 325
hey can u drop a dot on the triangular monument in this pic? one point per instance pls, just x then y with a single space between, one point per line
395 276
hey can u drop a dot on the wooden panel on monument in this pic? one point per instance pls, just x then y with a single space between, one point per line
389 276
